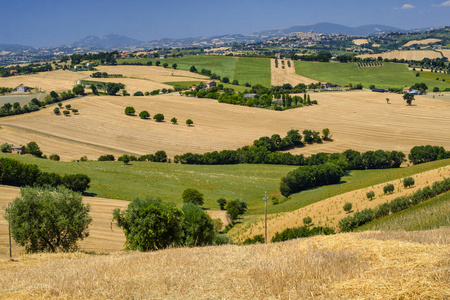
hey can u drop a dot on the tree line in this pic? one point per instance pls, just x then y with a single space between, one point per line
26 69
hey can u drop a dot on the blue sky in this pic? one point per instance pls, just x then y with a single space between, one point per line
42 23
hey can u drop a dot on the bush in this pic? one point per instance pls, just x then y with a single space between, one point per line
48 219
174 120
299 232
6 148
54 157
124 158
347 207
370 195
256 239
158 117
222 202
108 157
235 208
138 93
150 224
76 182
387 189
192 196
198 227
408 182
56 111
129 111
307 221
189 122
33 149
66 112
144 114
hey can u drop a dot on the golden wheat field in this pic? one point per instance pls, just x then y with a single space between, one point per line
360 42
369 265
280 75
405 54
358 120
421 42
46 81
329 212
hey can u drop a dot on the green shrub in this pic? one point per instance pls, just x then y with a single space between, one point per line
129 111
255 240
144 114
54 157
408 182
388 189
192 196
158 117
108 157
347 207
198 227
370 195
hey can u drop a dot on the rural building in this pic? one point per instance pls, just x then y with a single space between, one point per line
18 149
13 72
124 54
89 64
379 90
193 88
406 89
325 85
210 84
415 92
169 55
249 95
78 67
22 89
161 56
277 55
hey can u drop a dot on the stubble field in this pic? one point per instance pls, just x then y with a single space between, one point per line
357 120
405 54
280 75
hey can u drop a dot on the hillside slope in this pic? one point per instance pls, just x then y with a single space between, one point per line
370 265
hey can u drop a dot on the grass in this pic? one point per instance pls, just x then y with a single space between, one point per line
223 66
168 181
433 76
388 75
430 214
352 181
253 70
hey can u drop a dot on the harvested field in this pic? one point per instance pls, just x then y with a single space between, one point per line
329 212
357 120
405 54
280 75
133 85
421 42
57 81
360 42
369 265
156 74
445 52
21 98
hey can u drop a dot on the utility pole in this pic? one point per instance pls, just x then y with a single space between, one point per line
9 231
265 217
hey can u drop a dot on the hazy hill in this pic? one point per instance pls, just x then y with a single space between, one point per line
105 41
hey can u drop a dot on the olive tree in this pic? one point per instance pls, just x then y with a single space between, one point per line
129 111
192 196
144 114
48 219
347 207
150 224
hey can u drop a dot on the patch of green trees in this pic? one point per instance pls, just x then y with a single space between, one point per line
423 154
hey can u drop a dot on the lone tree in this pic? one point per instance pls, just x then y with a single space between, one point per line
326 134
129 110
33 149
387 189
144 114
307 221
124 158
48 219
158 117
409 98
348 207
174 120
189 122
370 195
150 224
408 182
174 66
192 196
235 208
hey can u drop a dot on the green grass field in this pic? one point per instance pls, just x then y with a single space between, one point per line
431 214
167 181
433 76
388 75
225 66
253 70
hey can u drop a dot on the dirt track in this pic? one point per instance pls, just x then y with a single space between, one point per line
357 120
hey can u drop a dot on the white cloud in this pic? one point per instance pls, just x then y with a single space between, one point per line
409 6
446 3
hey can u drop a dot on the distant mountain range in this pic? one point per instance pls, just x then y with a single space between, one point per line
330 28
120 42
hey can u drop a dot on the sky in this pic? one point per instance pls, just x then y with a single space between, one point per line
45 23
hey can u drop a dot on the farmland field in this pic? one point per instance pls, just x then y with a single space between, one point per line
224 66
253 70
280 75
22 99
430 214
102 127
405 54
421 42
388 75
360 42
